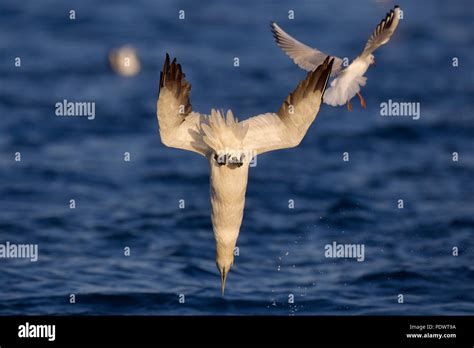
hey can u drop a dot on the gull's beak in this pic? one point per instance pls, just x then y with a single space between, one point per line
223 279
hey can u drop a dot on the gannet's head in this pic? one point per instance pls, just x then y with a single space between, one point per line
225 137
224 261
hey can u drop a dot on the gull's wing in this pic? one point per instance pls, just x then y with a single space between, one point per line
287 127
304 56
179 126
383 31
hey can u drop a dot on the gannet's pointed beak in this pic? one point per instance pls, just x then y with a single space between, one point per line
223 279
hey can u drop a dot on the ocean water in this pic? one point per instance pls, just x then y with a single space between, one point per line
135 204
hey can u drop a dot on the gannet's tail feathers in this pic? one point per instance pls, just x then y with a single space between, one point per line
287 127
223 132
179 126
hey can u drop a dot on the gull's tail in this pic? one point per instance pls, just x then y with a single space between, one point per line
343 89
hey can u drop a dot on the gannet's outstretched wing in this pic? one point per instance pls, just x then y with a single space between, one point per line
287 127
304 56
382 32
179 126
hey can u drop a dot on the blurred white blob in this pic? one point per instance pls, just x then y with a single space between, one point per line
124 61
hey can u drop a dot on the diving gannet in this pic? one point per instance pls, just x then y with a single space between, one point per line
229 145
347 82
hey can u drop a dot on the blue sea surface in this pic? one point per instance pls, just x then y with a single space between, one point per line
135 204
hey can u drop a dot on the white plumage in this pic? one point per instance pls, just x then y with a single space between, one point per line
230 145
347 82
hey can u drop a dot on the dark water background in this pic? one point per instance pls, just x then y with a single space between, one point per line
135 204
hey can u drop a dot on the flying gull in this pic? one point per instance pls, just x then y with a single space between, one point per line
229 145
347 82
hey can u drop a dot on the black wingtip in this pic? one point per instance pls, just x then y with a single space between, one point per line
276 35
166 63
331 62
165 71
324 72
328 74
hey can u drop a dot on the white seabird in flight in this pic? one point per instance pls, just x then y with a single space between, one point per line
229 145
347 82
